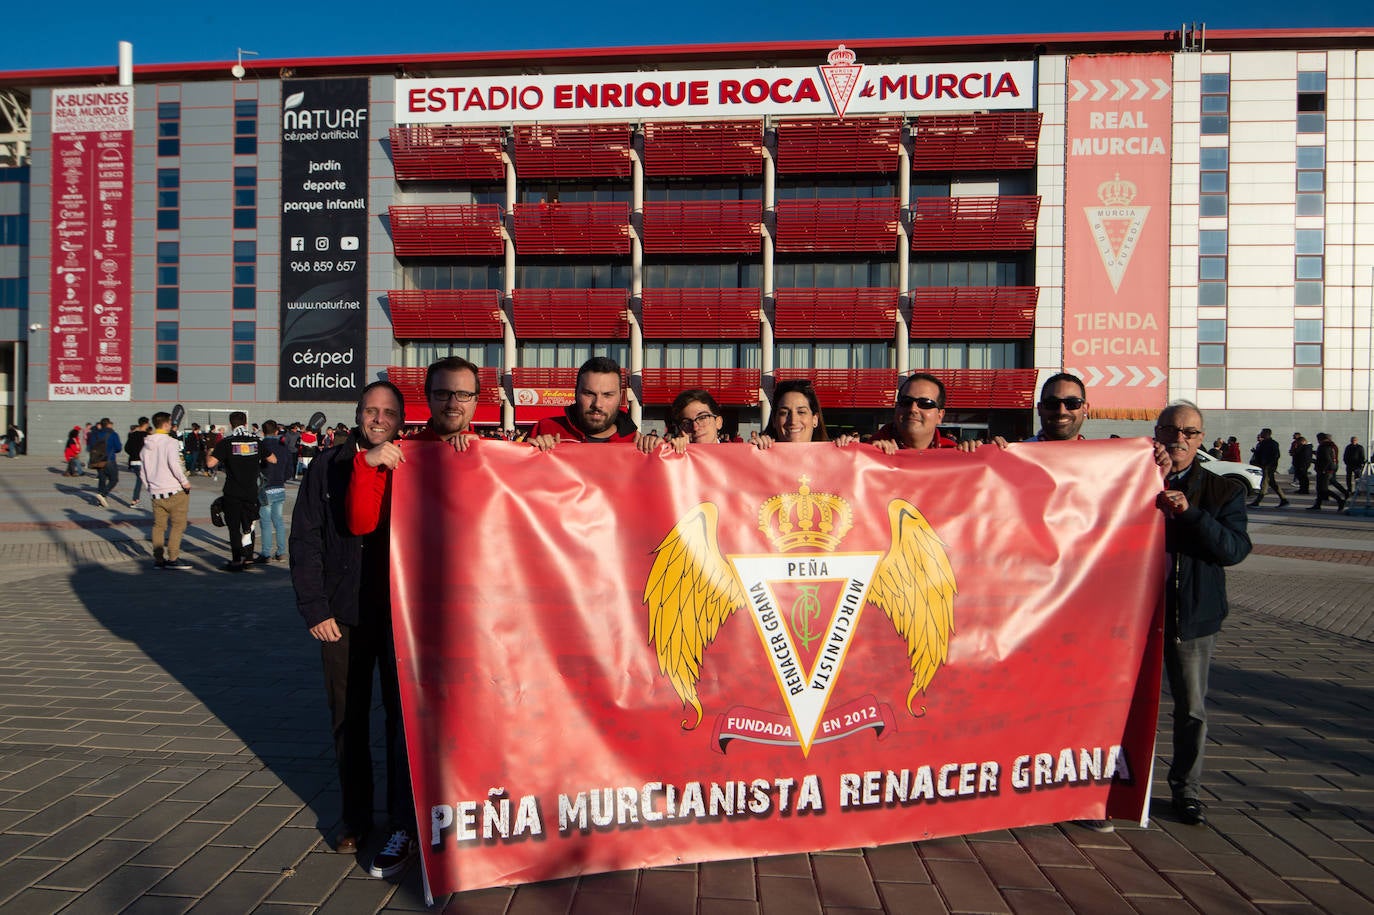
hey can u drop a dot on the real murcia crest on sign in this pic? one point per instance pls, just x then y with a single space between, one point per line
806 600
1116 226
841 75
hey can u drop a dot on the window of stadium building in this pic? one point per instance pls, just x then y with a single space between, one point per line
834 275
704 355
562 193
719 191
570 354
966 273
420 353
451 276
948 354
836 355
837 189
573 276
722 275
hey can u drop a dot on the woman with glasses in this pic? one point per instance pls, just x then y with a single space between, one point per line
696 419
797 417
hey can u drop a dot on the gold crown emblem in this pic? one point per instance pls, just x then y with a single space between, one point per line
805 519
841 57
1116 193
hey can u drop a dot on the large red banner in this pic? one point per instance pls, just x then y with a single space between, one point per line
1119 132
614 660
92 243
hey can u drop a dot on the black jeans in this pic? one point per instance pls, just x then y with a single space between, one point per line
240 516
348 665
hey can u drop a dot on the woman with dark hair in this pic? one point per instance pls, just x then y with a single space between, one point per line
797 417
72 453
696 418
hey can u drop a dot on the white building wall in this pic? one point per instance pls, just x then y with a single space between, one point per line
1049 234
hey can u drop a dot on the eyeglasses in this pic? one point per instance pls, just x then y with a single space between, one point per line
1070 403
443 396
906 402
1173 432
687 423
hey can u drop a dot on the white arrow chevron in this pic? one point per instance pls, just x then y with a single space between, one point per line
1121 90
1142 89
1094 376
1117 376
1162 88
1080 89
1099 89
1137 376
1159 378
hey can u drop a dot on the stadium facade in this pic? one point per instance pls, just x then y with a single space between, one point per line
1169 215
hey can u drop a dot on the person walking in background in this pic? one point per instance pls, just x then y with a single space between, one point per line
169 491
1265 456
1232 450
272 493
1302 462
103 446
239 453
1328 462
1354 460
72 453
134 449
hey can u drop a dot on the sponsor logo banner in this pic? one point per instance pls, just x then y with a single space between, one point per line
323 240
1116 230
611 660
91 267
840 86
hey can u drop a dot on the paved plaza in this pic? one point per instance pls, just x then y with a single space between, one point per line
164 748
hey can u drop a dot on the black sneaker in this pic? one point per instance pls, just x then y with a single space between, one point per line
394 856
179 565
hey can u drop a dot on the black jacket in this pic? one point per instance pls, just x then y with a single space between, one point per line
327 562
1201 542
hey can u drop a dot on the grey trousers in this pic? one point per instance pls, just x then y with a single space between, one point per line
1187 663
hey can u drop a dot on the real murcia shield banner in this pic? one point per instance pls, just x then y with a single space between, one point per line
613 660
1118 157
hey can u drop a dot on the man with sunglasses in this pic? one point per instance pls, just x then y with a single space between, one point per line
1204 531
1062 408
916 424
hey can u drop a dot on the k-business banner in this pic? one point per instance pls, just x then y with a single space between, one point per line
614 660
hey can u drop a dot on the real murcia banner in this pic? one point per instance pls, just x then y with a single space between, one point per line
91 260
1116 230
841 84
613 660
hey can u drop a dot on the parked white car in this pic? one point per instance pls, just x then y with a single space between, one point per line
1247 475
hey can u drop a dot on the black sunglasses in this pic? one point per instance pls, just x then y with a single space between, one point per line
1070 403
906 401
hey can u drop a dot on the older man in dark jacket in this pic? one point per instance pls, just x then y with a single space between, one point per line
343 592
1204 531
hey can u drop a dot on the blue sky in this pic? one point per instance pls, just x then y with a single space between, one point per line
81 33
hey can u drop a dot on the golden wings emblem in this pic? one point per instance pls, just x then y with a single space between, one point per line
693 588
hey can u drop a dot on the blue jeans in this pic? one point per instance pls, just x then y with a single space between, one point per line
107 477
134 468
270 502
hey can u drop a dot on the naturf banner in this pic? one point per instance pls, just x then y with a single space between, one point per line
614 660
1116 230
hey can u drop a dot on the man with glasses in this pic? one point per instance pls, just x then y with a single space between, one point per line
1204 531
919 411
